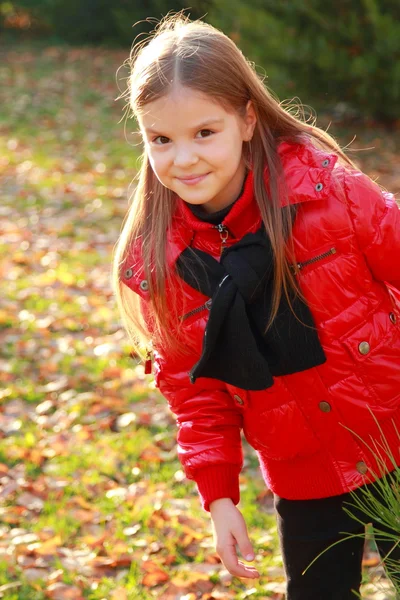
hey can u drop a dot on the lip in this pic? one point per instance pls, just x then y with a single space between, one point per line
192 179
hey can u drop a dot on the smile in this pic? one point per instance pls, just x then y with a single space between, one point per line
192 180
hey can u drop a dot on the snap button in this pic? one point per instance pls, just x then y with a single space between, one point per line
325 407
128 273
325 163
319 187
364 348
393 318
144 286
238 399
361 467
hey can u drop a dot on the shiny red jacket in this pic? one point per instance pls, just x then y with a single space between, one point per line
316 433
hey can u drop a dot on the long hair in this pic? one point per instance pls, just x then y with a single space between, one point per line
198 56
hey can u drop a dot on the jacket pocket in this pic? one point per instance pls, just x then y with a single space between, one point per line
315 260
281 433
375 349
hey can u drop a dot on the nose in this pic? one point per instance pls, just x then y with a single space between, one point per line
185 156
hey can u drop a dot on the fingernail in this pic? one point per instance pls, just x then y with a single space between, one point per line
249 556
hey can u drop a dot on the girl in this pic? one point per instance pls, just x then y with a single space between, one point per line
265 270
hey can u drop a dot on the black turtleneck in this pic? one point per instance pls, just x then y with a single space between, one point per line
216 217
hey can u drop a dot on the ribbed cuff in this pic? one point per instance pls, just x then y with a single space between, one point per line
218 481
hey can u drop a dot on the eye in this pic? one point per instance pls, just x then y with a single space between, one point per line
207 132
162 140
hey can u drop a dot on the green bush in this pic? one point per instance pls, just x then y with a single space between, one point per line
324 52
97 21
338 51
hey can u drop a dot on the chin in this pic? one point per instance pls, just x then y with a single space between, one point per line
195 196
196 202
199 202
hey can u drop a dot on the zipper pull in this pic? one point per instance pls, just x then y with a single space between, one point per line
224 234
148 362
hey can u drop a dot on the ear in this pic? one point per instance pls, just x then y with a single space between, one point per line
250 120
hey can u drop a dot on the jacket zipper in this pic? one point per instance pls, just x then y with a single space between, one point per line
206 305
303 264
300 265
224 234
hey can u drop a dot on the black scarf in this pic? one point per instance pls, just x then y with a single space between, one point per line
235 348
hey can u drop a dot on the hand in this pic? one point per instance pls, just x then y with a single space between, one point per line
229 529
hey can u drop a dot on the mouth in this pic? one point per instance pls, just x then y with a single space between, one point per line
192 179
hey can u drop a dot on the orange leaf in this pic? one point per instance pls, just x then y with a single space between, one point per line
93 541
82 502
61 591
102 561
49 546
155 578
151 454
83 516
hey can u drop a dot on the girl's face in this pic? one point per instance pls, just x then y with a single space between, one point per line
195 146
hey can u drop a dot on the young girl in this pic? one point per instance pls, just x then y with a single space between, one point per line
264 268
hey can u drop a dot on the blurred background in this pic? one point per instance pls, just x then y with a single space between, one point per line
93 503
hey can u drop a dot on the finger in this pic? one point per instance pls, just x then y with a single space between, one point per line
244 544
236 567
241 570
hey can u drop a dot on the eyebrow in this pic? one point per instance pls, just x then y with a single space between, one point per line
195 128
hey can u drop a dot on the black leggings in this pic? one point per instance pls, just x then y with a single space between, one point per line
307 527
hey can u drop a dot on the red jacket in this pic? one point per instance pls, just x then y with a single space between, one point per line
313 431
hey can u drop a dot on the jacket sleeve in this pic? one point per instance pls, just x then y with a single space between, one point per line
208 430
376 219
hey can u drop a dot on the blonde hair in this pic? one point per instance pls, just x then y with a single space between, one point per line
199 56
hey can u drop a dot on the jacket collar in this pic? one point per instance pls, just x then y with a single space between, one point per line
307 172
239 219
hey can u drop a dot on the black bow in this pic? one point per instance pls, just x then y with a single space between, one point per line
235 348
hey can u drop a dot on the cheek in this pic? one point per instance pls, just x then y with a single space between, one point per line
228 151
158 164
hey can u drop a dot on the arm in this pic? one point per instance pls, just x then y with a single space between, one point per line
376 219
209 422
208 435
210 451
